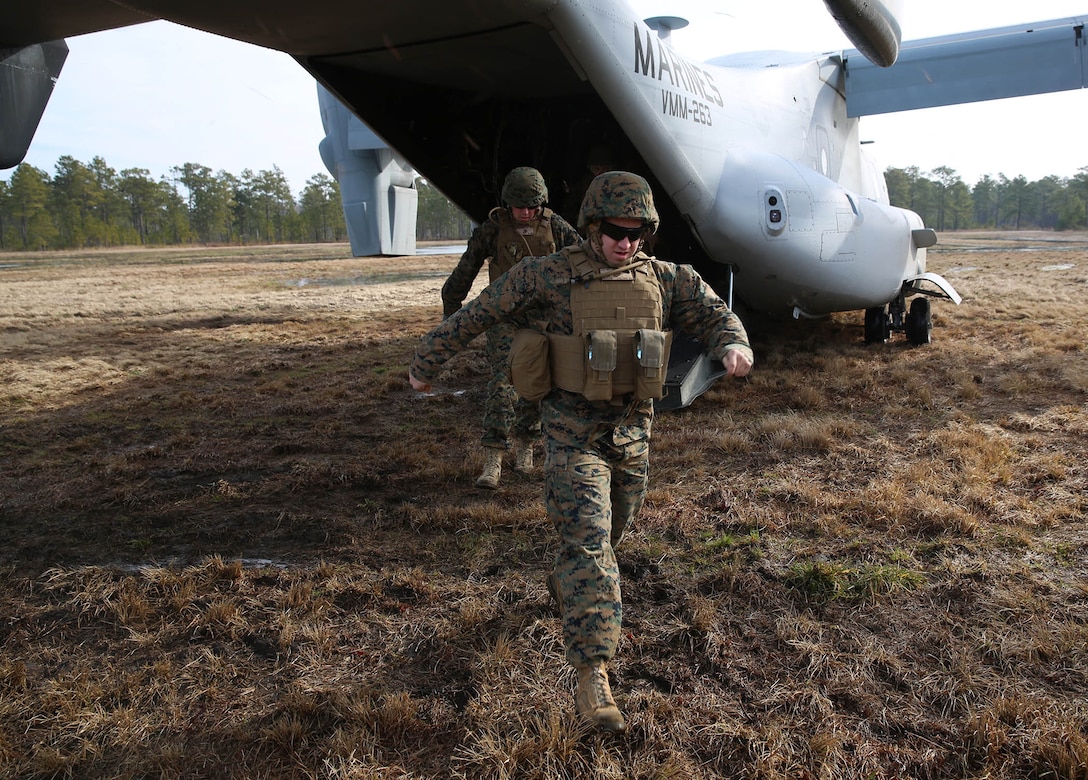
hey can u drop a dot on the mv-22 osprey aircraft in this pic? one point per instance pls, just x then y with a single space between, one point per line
755 159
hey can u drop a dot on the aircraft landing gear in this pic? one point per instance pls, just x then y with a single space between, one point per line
919 324
878 325
916 323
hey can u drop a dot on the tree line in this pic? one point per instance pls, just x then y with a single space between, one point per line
945 202
92 205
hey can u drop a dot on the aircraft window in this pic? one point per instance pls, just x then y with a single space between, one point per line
823 146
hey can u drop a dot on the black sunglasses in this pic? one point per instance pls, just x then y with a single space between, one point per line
618 233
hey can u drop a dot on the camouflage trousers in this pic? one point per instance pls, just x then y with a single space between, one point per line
505 411
592 497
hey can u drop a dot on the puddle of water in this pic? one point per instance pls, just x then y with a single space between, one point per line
962 269
248 563
385 278
967 250
366 279
441 249
437 394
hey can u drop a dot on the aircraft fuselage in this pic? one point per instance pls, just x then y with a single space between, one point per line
755 165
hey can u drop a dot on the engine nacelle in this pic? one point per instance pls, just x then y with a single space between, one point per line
818 247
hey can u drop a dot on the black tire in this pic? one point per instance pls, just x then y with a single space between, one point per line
919 324
877 325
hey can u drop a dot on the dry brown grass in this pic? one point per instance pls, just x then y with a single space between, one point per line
236 545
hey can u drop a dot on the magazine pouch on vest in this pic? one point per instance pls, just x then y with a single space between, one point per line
617 350
651 361
601 355
530 370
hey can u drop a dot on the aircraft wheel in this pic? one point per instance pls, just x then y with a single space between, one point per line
919 324
877 325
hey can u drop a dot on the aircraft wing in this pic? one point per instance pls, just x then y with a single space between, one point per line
984 65
451 43
27 76
439 81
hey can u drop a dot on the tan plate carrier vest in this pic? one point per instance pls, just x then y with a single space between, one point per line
512 245
618 346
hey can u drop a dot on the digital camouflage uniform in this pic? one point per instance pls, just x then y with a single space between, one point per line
504 412
596 451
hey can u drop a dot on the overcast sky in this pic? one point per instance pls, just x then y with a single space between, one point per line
158 95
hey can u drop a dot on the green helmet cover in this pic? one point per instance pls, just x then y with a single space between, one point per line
618 195
524 188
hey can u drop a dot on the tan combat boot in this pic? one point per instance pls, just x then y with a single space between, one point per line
489 477
523 456
594 700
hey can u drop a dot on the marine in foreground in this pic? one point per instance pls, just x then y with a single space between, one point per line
594 326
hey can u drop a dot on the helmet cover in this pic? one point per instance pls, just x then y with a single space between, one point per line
619 195
524 188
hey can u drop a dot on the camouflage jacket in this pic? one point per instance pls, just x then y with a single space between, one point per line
541 286
482 245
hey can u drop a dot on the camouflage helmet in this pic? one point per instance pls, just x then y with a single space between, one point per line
618 194
524 188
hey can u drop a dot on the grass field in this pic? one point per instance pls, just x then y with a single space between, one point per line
237 545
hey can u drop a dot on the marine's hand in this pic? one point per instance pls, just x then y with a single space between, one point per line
423 387
737 363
